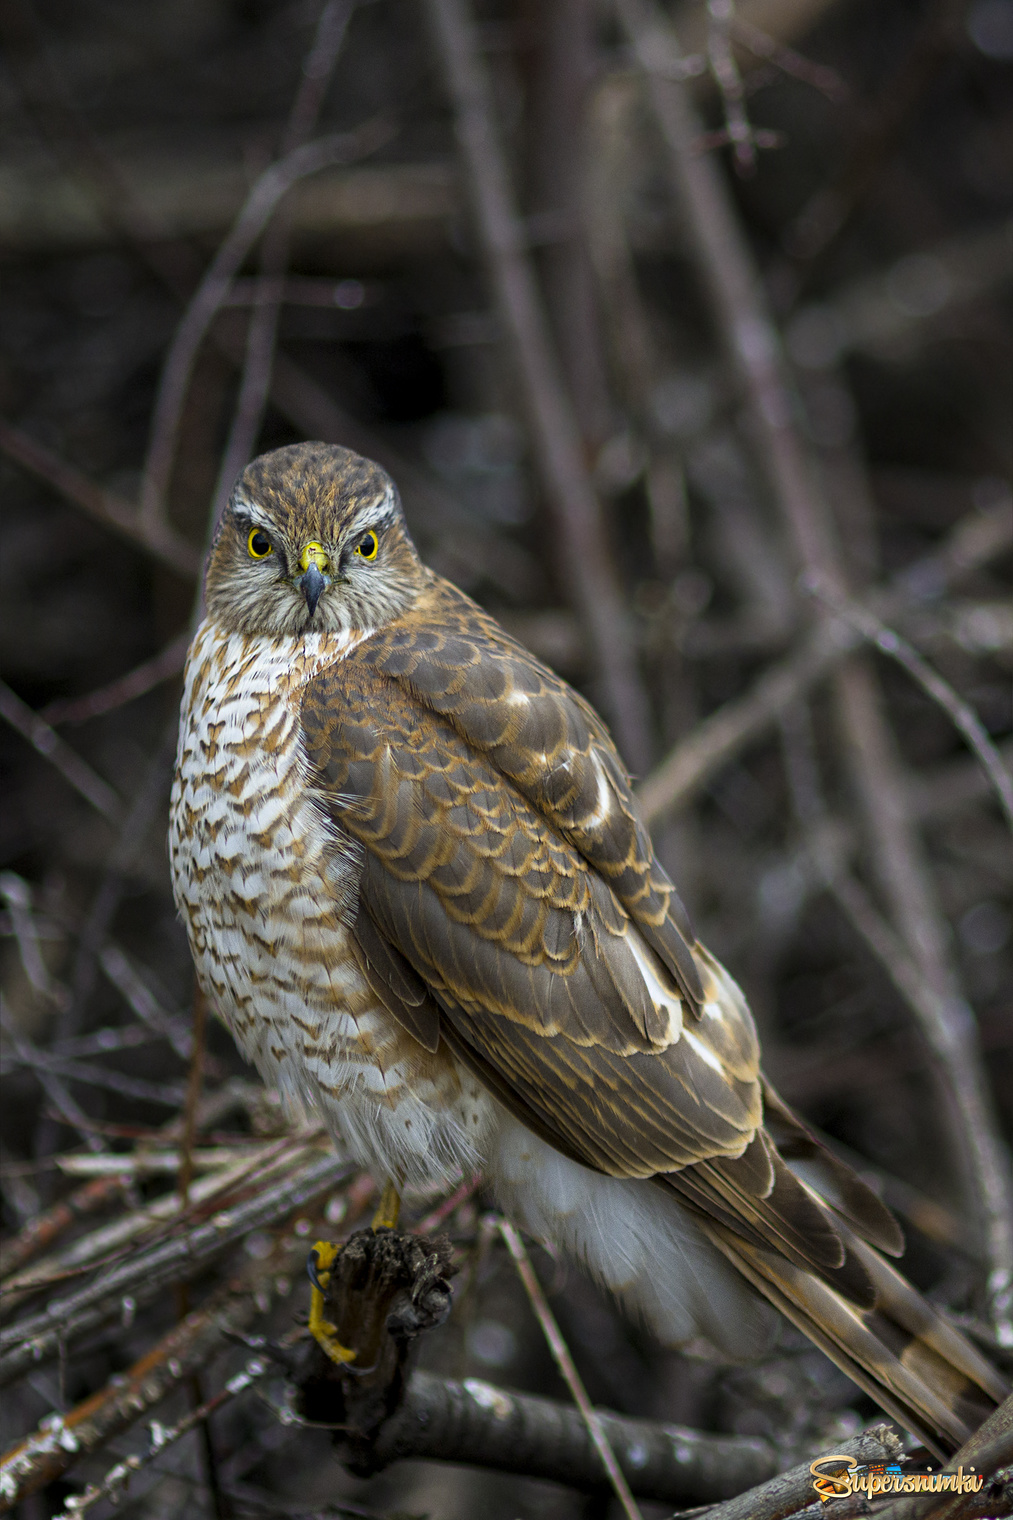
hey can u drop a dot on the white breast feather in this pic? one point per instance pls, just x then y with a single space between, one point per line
271 943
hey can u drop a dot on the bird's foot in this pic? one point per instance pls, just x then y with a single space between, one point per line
322 1258
318 1266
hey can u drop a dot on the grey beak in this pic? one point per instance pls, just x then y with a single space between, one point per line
311 585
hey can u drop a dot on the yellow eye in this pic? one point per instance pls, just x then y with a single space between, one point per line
368 546
258 544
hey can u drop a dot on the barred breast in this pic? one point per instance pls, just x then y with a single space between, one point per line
267 888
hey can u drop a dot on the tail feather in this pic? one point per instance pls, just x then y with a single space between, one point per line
833 1179
902 1353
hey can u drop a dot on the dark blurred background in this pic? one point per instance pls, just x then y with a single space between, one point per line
878 213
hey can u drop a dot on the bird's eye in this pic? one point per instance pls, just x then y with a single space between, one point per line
258 544
367 546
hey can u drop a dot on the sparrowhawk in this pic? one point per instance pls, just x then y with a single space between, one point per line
418 891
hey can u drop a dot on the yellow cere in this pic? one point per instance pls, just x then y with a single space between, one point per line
314 554
258 544
368 546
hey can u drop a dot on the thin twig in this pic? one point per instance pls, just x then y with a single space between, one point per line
60 755
964 718
759 43
157 539
564 1361
720 18
147 1273
585 557
443 1211
121 972
126 688
255 382
716 740
44 1061
17 894
191 1103
267 191
65 1105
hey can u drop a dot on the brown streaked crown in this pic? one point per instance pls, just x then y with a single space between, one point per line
312 494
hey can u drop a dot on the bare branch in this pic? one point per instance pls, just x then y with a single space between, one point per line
255 382
716 740
59 754
474 1422
964 718
156 538
791 1492
126 688
587 562
268 190
147 1273
990 1452
62 1441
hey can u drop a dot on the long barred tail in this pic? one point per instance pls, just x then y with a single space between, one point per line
918 1368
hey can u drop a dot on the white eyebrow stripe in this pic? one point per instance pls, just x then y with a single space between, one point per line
378 514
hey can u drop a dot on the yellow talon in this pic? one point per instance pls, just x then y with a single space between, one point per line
389 1208
322 1258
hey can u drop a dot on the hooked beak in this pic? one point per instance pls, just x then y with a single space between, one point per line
313 562
312 585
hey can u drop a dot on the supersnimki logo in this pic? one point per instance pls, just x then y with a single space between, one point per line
838 1475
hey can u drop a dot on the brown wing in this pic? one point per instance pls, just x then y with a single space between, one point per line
515 906
536 964
542 736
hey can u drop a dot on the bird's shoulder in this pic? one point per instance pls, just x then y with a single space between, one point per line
447 664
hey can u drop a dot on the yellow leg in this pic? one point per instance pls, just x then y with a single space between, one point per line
322 1258
389 1208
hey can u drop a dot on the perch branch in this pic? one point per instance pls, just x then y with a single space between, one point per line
482 1425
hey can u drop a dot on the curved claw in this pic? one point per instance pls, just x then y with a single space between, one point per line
312 1271
318 1268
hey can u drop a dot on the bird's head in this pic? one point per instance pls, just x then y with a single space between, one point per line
313 540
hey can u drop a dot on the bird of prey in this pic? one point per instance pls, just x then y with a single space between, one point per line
418 891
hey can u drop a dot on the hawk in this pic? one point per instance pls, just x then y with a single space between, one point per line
418 891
